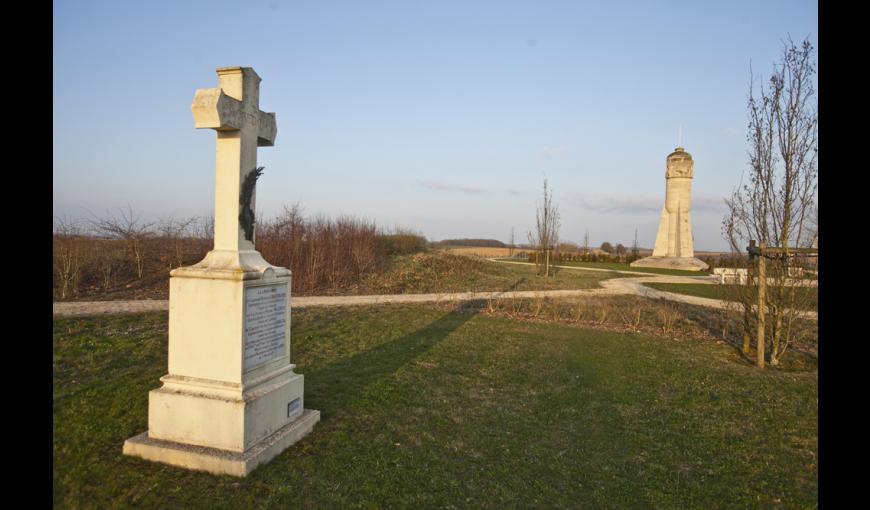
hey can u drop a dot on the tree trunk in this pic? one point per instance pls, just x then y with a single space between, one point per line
777 333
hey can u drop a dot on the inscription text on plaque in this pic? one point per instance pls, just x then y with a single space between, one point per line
265 323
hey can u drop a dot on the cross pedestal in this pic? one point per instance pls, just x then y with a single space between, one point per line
231 400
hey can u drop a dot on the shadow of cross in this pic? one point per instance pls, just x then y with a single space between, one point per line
233 111
334 387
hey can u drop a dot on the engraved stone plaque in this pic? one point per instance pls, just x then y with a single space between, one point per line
265 323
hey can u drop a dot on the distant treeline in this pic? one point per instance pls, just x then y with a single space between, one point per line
483 243
103 255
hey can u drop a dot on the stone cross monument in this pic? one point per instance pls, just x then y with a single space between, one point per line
231 400
674 247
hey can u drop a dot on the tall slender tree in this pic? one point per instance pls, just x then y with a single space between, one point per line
635 251
776 206
546 233
586 244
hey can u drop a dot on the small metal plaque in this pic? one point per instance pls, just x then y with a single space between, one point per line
265 323
294 407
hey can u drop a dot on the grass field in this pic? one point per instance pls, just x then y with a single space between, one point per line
440 271
810 294
621 266
431 408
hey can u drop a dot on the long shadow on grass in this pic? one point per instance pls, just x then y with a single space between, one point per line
713 322
332 388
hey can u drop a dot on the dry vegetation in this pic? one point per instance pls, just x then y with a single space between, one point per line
656 317
123 257
327 256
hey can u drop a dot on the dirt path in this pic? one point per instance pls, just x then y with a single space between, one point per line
635 286
614 286
106 307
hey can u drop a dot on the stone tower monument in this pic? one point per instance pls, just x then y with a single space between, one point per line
674 245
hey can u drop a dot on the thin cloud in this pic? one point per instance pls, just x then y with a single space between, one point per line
709 204
641 204
552 151
443 186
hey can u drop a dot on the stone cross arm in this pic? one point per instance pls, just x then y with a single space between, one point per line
232 109
213 108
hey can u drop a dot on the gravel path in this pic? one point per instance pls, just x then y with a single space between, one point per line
614 286
103 307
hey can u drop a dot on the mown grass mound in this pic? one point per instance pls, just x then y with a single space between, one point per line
420 269
441 271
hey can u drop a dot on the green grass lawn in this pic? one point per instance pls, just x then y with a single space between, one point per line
809 295
621 266
431 408
445 272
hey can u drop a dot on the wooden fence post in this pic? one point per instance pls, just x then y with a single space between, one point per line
762 308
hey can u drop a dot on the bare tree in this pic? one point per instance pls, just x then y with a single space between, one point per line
547 223
205 228
776 206
635 251
511 246
108 257
129 228
67 255
586 244
606 247
172 234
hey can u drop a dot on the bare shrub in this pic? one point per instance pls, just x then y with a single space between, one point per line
129 228
324 254
538 305
668 316
327 254
602 311
173 233
204 228
630 315
580 309
67 256
106 261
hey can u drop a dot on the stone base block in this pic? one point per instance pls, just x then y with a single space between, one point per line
205 413
681 263
222 462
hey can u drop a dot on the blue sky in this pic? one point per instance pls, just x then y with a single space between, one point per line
442 117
